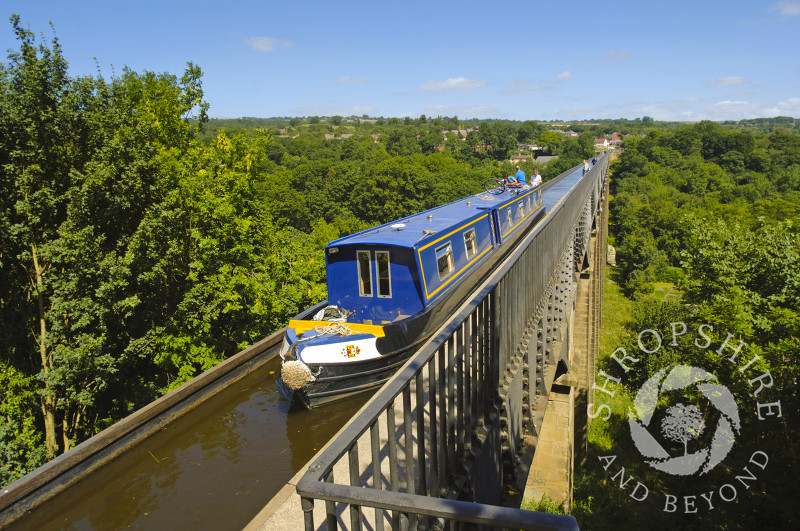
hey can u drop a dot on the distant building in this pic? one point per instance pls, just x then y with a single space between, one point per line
601 143
461 133
521 158
544 159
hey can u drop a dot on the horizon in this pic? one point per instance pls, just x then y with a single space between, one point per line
587 122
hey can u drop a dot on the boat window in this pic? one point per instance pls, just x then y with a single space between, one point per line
470 243
384 279
508 215
364 274
521 209
444 260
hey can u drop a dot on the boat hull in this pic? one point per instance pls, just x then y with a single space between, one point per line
336 381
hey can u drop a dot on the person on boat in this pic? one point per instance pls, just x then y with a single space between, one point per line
518 177
536 180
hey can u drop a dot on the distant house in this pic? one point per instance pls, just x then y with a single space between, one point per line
544 159
601 143
528 147
521 158
460 133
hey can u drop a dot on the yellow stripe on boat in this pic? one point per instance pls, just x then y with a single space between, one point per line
301 326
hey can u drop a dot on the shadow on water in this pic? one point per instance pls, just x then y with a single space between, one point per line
213 468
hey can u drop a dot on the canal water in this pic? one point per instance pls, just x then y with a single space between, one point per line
213 468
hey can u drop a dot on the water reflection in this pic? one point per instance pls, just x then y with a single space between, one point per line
213 468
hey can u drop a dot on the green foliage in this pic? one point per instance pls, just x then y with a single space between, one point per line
671 184
21 448
545 505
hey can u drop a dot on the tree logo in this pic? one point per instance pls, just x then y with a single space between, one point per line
683 423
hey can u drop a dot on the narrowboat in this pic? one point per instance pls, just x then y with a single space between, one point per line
391 286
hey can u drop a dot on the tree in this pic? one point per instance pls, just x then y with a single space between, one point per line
36 117
549 142
84 162
682 424
529 131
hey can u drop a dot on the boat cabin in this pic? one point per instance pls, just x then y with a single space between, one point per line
393 271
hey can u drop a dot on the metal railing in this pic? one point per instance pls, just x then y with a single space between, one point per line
433 447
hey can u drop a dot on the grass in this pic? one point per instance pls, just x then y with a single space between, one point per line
616 312
665 291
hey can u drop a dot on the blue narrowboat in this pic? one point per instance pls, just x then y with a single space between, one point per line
391 286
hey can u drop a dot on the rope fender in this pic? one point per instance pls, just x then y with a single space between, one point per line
296 374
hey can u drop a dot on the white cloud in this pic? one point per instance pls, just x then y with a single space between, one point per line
617 54
563 76
468 111
739 110
786 8
730 81
525 86
349 79
327 110
454 83
685 109
267 44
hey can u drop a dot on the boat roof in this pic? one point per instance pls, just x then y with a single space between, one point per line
410 230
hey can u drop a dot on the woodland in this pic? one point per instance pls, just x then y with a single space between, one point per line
141 243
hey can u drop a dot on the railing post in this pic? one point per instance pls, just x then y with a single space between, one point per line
308 512
330 508
494 354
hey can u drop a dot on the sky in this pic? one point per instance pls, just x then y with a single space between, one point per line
533 60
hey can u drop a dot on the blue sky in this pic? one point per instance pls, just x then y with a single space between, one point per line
534 60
